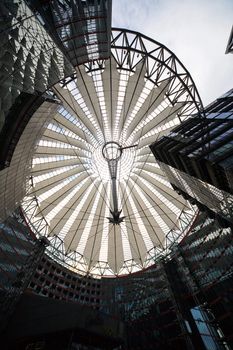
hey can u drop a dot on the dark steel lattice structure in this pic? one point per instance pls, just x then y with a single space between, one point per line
137 95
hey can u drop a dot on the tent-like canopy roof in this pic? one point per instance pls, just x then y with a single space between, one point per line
131 99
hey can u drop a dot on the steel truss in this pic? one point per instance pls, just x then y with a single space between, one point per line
130 49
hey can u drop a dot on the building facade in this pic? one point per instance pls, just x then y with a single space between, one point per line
197 157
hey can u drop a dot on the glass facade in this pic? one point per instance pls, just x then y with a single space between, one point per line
81 29
197 157
30 60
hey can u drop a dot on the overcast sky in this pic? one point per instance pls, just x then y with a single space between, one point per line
197 31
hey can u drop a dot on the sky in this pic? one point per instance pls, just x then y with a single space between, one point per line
197 31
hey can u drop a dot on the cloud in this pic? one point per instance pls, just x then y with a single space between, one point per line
196 31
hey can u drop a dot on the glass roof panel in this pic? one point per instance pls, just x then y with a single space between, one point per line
102 220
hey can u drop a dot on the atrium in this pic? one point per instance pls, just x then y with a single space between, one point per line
115 188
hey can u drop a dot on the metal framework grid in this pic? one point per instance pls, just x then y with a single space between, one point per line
137 96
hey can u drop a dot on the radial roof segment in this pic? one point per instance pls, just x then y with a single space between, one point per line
96 191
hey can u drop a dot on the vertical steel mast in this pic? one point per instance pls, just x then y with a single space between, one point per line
112 152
